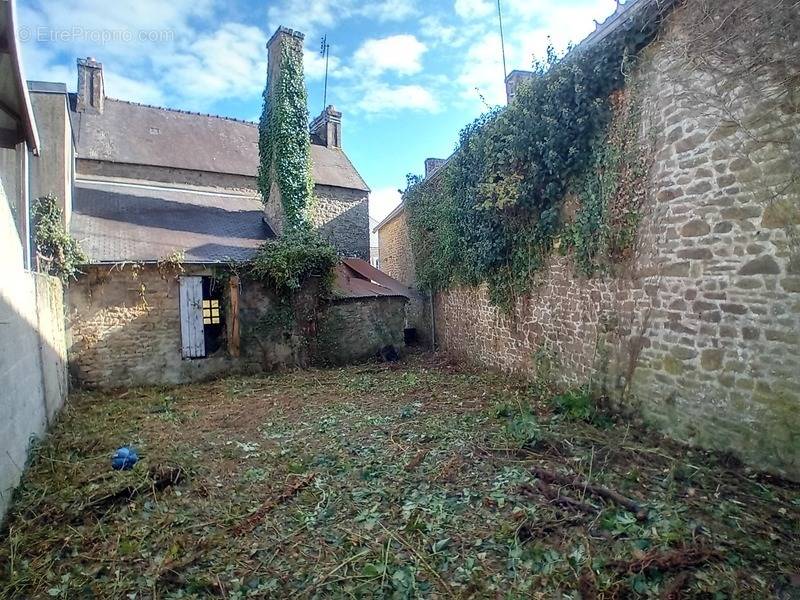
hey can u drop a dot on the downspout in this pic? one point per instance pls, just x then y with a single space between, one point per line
433 323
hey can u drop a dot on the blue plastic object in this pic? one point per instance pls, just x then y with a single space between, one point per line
124 459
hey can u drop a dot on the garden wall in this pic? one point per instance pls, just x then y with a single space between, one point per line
701 329
124 329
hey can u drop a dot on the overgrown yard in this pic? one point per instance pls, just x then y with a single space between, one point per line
417 479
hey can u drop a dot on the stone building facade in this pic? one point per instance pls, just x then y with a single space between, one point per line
394 247
702 331
124 324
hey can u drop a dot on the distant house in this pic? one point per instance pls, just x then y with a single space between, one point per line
161 201
395 257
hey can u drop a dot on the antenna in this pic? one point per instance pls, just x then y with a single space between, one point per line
502 42
325 50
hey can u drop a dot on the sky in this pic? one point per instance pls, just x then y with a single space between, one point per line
406 74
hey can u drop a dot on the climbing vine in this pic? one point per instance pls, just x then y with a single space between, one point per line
495 211
284 145
57 252
287 263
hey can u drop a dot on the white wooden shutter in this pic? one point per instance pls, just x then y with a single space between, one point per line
192 341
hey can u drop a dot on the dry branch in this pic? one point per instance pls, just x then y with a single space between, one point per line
595 490
271 503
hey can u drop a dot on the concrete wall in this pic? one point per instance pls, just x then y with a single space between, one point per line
702 333
394 250
33 383
52 171
124 330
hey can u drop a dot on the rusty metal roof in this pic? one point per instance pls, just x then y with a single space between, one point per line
125 222
140 134
356 278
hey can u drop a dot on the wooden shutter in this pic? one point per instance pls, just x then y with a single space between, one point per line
192 340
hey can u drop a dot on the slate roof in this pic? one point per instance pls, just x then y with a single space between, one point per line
140 134
123 222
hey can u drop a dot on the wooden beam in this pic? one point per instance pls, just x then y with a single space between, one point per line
233 342
9 111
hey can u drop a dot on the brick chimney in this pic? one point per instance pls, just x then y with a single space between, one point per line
326 129
91 91
432 165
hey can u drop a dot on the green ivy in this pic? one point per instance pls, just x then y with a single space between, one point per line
58 253
495 211
293 259
284 144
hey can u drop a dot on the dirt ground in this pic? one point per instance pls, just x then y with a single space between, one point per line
420 479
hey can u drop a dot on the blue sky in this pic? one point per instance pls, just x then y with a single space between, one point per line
407 74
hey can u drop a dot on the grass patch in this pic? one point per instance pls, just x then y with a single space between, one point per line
402 481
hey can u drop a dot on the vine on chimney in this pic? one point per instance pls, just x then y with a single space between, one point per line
284 145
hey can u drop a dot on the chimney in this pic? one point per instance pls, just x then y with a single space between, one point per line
432 165
283 42
326 129
513 81
283 39
91 92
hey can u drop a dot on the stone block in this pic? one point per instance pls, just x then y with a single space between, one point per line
763 265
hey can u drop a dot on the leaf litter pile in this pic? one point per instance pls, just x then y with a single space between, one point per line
421 479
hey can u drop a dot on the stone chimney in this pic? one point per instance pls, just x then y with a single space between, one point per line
326 129
286 38
513 81
433 164
91 91
283 40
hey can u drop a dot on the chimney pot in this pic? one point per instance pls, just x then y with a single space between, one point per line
91 88
326 129
432 165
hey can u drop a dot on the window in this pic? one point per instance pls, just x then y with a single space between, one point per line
210 312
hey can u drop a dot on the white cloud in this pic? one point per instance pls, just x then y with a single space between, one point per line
383 201
314 65
433 28
309 16
389 10
473 9
482 71
229 62
398 53
135 90
385 98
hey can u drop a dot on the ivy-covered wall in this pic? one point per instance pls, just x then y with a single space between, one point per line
687 311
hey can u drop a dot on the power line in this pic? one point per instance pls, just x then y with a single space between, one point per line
502 42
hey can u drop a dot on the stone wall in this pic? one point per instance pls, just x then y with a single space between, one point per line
124 330
394 250
702 331
342 216
355 330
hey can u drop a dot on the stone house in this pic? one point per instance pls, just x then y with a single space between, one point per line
33 375
698 332
395 254
162 201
